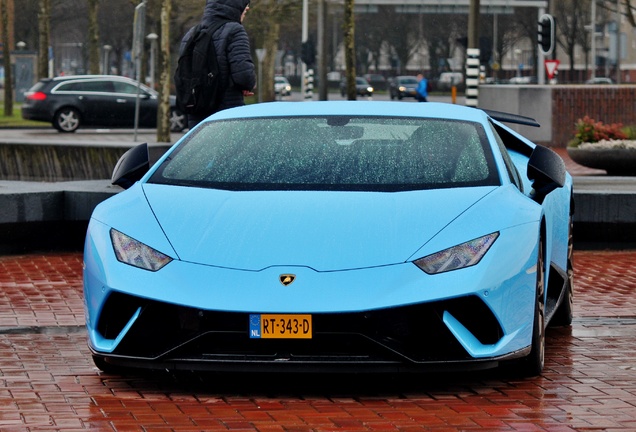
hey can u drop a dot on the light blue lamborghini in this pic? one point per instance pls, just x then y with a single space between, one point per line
337 236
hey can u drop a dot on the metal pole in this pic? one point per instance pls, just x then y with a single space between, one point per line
138 33
473 24
322 61
472 55
152 37
540 56
305 37
593 39
618 42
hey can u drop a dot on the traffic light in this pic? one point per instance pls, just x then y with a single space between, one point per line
308 53
546 34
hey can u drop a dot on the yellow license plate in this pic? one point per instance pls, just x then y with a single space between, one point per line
280 326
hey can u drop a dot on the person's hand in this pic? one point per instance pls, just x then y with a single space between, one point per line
248 93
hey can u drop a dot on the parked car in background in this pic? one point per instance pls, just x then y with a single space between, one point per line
282 87
72 102
523 80
403 86
377 81
600 80
363 88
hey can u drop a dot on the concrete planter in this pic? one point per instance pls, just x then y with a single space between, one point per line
616 161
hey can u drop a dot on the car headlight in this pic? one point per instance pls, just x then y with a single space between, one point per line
133 252
457 257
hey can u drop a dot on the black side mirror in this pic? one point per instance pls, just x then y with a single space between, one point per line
547 171
131 166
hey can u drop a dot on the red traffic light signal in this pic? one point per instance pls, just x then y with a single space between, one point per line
546 34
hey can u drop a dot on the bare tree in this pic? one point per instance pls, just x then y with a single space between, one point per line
571 17
23 23
93 37
350 49
165 77
369 41
6 53
264 25
440 33
401 32
44 30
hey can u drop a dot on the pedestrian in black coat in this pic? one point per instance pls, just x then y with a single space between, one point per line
232 45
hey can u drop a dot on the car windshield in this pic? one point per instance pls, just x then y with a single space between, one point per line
408 81
331 153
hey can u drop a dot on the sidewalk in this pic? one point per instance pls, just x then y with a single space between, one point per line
49 383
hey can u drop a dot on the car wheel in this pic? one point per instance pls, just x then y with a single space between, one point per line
563 315
178 121
67 120
532 364
400 96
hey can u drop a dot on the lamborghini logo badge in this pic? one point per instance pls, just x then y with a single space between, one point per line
287 279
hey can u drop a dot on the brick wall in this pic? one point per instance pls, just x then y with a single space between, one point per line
558 107
606 103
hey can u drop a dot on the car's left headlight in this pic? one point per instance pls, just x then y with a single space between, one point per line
133 252
457 257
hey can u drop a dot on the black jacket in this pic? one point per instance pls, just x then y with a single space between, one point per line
232 46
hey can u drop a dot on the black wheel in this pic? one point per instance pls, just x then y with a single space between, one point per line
563 315
533 363
400 96
67 120
178 120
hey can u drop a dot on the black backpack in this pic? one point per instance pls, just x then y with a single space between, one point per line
196 78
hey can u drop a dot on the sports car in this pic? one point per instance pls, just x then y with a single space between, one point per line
333 236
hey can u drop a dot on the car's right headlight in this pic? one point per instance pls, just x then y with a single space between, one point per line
461 256
135 253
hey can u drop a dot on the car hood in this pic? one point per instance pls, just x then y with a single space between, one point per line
326 231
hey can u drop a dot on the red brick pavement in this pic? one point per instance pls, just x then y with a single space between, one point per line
48 382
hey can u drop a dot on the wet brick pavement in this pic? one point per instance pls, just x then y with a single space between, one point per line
48 381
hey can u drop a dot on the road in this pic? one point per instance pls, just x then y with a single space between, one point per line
48 381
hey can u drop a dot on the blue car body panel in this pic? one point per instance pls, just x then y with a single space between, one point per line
350 252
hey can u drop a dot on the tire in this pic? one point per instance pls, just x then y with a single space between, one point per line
532 364
67 120
563 315
178 120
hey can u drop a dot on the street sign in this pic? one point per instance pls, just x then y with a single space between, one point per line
551 66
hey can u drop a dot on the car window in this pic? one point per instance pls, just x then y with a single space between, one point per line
408 81
86 86
332 153
124 87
